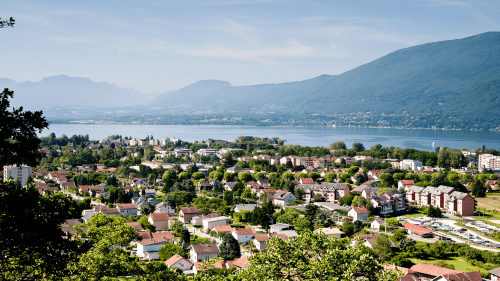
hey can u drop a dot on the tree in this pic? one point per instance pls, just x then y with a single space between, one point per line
143 220
382 248
358 226
478 189
405 243
330 177
229 248
169 250
245 177
323 218
319 198
7 23
216 176
338 145
297 259
348 228
147 208
198 176
18 140
311 211
358 147
31 240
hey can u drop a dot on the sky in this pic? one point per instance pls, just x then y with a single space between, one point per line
166 45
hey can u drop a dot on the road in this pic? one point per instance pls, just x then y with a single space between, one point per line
76 197
197 231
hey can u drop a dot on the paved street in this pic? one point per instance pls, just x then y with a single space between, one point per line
76 197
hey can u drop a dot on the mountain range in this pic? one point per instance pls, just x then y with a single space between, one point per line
454 83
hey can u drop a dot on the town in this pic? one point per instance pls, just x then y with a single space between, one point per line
213 207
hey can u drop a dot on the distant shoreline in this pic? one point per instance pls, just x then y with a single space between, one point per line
91 122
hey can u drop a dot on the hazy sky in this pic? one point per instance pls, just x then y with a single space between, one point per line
166 45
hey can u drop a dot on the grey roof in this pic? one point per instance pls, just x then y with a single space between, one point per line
245 207
235 168
393 193
205 248
495 271
331 206
281 194
456 195
415 189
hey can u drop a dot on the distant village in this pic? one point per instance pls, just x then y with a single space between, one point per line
253 190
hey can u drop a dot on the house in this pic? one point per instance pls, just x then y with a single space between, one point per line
150 192
405 184
377 223
179 262
243 207
495 274
159 220
229 185
330 232
243 235
358 213
201 266
370 240
163 207
428 272
306 181
369 192
241 262
259 241
330 191
264 182
149 248
109 211
203 215
211 222
136 225
186 213
139 182
127 209
283 197
288 233
382 204
222 229
280 227
203 252
67 185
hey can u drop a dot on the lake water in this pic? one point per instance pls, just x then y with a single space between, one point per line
306 136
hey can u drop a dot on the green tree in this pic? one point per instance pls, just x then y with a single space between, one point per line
338 145
348 228
330 177
358 147
216 176
143 220
245 177
342 261
31 240
229 248
198 176
358 226
147 208
18 138
477 189
169 250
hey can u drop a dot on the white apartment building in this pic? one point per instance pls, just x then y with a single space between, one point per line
489 161
226 150
20 173
181 152
410 164
207 151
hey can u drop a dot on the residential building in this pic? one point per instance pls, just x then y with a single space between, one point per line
283 197
149 248
243 207
330 232
179 262
163 207
243 235
413 194
159 220
460 203
260 241
207 151
127 209
273 228
20 173
410 164
186 213
330 191
405 184
203 252
428 272
495 274
377 223
370 240
358 213
209 223
489 161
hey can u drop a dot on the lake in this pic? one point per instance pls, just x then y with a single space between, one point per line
306 136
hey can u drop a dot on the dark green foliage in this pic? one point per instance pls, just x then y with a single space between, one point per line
229 248
478 189
147 208
18 129
169 250
358 226
31 239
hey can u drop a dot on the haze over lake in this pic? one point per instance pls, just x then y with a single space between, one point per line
306 136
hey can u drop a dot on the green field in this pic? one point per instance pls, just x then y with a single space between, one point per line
460 264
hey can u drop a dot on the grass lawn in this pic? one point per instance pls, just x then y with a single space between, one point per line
460 264
490 203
